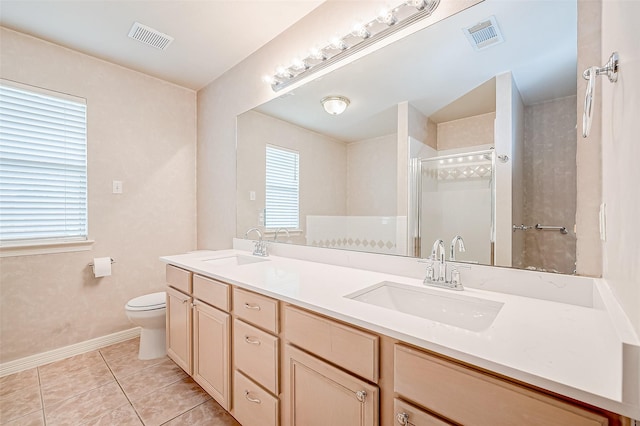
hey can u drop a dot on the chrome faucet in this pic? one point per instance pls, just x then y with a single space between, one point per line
275 237
439 279
260 248
438 247
452 254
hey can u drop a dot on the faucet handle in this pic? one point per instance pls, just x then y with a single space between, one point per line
430 273
455 277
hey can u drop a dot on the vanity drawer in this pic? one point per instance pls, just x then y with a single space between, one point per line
351 349
256 354
259 310
215 293
480 399
179 279
407 414
252 405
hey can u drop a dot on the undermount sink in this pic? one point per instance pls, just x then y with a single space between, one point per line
461 311
236 259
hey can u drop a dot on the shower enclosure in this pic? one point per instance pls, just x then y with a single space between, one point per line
453 195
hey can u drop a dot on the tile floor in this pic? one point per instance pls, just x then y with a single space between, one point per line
110 386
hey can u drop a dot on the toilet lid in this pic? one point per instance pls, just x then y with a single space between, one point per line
147 302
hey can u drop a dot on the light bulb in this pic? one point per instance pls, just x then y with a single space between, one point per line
338 43
360 30
386 16
268 79
283 72
299 64
317 53
418 4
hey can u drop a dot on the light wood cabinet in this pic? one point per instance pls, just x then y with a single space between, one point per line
470 397
211 361
179 338
319 394
253 406
198 335
312 370
212 292
256 354
179 279
256 358
256 309
406 414
351 349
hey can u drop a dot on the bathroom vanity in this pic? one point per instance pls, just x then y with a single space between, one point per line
297 342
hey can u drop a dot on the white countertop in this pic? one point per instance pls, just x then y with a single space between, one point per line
569 349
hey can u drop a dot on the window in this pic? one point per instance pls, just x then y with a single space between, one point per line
43 166
282 189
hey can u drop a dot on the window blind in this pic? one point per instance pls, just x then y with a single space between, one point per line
282 189
43 166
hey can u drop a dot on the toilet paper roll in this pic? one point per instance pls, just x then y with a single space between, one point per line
102 266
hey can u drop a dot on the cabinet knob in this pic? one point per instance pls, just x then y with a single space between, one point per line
361 395
250 399
403 418
252 306
251 340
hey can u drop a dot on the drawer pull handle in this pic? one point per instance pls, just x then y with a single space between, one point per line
185 300
254 400
252 340
361 395
403 418
252 306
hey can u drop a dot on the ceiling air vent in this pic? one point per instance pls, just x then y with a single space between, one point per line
484 34
148 35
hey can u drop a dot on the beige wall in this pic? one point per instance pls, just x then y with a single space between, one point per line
141 131
549 184
371 177
589 151
466 132
323 169
621 153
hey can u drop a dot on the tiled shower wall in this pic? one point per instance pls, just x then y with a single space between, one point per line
550 184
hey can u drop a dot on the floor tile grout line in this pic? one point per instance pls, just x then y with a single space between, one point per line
44 416
182 414
123 392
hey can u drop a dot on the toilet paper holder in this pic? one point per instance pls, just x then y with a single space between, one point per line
112 262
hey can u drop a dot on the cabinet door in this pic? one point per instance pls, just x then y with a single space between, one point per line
320 394
211 331
179 328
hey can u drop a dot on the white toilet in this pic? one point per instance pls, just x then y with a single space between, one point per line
149 312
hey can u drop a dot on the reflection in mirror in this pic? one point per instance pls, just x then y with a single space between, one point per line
441 138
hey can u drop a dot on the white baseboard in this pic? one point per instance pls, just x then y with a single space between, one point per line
37 360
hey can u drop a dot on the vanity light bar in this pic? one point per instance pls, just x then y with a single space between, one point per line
387 22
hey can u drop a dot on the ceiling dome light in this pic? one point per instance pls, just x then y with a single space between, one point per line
335 105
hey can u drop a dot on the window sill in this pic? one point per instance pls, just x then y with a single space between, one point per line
291 232
45 248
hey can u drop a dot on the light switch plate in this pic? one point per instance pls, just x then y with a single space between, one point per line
603 222
117 187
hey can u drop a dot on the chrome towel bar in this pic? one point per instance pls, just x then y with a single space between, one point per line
539 227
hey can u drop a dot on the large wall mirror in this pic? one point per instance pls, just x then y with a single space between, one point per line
441 138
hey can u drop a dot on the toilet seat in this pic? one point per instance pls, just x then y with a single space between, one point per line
147 302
